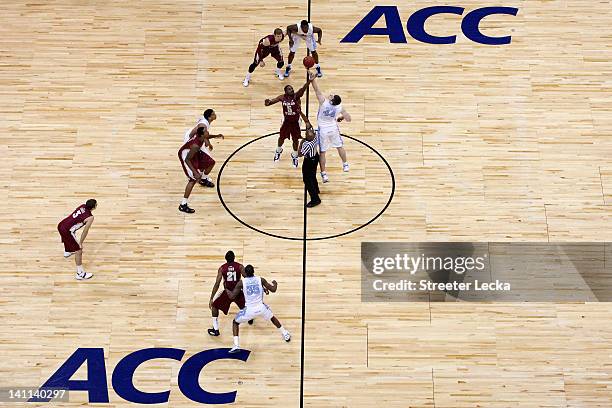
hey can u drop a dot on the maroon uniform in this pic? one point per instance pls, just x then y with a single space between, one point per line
199 161
291 114
231 276
68 226
273 49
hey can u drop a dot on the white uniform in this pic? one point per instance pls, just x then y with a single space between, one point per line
206 124
329 132
308 36
253 297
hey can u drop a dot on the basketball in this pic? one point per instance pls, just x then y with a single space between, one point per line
309 61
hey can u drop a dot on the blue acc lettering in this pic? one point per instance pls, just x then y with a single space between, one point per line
470 25
253 290
123 375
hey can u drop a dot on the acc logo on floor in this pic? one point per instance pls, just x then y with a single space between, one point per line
416 25
123 375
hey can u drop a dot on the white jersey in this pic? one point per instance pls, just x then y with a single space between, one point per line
326 118
305 34
201 120
253 291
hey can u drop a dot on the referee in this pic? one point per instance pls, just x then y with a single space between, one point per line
308 150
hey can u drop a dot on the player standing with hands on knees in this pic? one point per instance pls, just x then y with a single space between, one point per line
304 31
67 228
195 163
330 113
253 288
269 45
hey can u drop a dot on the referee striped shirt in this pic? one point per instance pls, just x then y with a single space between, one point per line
309 148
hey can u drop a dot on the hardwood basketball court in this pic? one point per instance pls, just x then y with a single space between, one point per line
486 143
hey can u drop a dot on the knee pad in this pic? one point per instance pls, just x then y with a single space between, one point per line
280 64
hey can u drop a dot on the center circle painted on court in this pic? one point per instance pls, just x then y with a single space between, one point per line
385 202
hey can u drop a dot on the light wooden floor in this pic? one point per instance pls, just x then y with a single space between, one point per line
509 143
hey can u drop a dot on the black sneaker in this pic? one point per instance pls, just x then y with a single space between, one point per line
206 183
186 209
319 73
287 71
213 332
313 204
277 155
251 321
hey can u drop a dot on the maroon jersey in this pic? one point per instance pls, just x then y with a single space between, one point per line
291 108
75 220
262 49
231 274
189 144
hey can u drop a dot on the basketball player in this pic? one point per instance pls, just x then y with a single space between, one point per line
230 272
253 288
303 31
290 127
67 228
269 45
195 163
330 113
204 121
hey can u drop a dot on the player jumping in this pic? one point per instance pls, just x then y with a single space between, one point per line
303 31
330 113
230 272
67 228
253 288
269 45
290 127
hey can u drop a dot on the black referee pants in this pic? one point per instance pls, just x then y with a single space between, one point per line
309 175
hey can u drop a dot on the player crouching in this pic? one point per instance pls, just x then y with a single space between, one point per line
269 45
253 288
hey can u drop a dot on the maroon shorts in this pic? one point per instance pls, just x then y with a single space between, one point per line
200 161
223 302
290 129
70 243
276 54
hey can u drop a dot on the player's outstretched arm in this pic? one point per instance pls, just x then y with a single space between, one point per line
88 223
315 86
272 288
291 29
272 101
234 293
242 272
215 287
319 32
305 119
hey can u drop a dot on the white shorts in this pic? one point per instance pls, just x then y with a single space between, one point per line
251 312
311 44
329 137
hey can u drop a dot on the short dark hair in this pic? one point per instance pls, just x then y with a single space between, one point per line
91 204
285 88
277 31
249 270
336 100
229 256
208 113
303 22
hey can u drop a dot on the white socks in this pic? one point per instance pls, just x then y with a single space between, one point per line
294 154
183 201
215 321
283 331
248 76
80 270
236 341
317 66
279 149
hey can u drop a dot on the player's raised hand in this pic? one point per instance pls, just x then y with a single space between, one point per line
311 75
221 136
262 64
267 102
274 283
